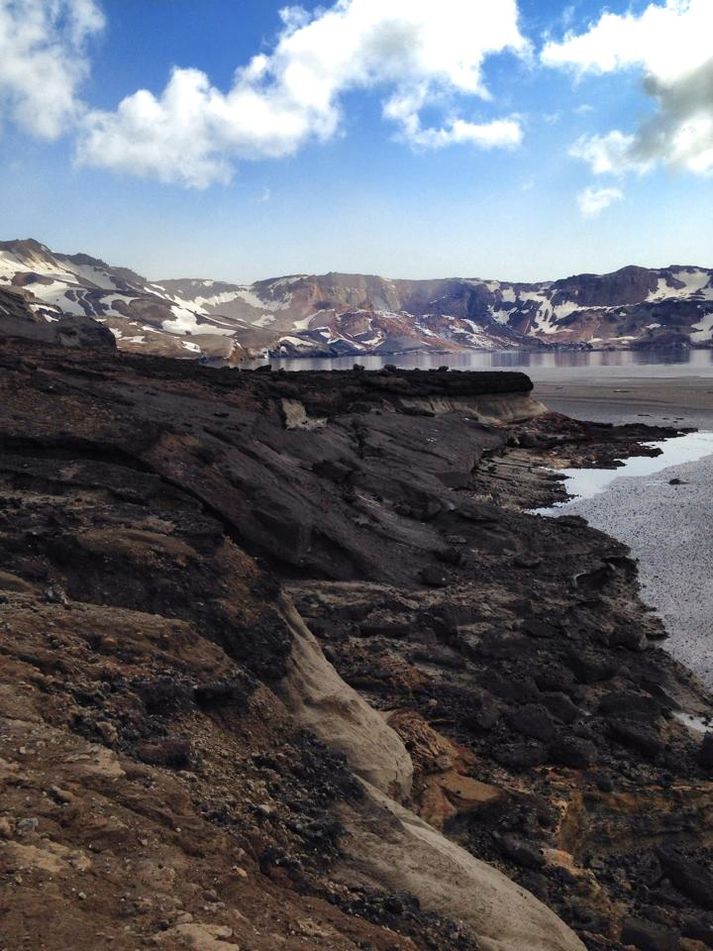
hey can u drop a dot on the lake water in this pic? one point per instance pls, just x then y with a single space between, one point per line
539 365
586 483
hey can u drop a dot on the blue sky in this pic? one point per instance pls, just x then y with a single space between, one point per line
593 148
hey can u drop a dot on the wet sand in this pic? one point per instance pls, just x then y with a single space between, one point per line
660 400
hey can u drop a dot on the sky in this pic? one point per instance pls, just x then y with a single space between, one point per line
245 139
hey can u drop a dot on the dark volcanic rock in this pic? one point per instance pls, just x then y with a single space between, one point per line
561 707
638 736
705 754
688 876
574 751
182 502
629 706
520 852
648 936
533 720
77 333
519 756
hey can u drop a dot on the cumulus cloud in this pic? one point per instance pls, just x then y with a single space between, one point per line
670 43
593 201
613 153
43 61
423 54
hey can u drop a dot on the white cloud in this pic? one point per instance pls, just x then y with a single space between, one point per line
593 201
423 53
670 43
43 61
613 153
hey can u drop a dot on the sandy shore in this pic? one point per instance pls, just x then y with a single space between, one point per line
660 400
669 528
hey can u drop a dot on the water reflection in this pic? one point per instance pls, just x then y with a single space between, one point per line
539 364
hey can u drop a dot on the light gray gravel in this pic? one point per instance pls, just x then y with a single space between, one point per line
669 529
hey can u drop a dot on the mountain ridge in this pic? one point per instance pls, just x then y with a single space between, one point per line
341 314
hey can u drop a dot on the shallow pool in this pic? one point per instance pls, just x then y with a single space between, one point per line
586 483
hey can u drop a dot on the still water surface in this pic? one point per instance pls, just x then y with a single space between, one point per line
586 483
538 365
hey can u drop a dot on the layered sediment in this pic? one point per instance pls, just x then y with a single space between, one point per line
286 664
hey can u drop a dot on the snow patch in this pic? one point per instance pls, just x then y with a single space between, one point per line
702 330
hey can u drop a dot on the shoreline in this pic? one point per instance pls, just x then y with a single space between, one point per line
669 530
667 527
681 401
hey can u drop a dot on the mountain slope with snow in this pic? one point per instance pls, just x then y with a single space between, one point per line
337 314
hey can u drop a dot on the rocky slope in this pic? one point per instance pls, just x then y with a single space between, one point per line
337 314
18 319
483 716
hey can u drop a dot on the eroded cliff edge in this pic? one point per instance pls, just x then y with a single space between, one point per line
182 765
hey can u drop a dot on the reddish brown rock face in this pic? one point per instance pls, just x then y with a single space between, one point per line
352 314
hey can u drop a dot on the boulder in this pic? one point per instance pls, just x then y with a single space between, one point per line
574 751
648 936
533 720
689 876
638 736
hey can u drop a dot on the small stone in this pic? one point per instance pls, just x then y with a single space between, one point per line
26 826
522 853
82 896
6 828
55 594
61 795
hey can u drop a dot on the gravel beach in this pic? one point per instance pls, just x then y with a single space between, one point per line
669 528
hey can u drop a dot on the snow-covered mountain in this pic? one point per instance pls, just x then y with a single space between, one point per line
358 314
141 316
